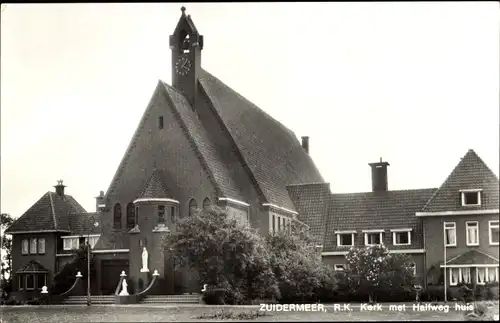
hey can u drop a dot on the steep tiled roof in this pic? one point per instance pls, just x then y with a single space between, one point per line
49 213
473 257
32 266
375 210
82 223
155 187
212 156
112 239
312 201
470 173
272 152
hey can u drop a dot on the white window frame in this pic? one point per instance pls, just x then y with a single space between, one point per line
397 231
454 230
381 237
339 267
20 280
486 275
477 191
25 246
71 241
451 275
93 240
467 225
341 233
492 224
40 243
33 246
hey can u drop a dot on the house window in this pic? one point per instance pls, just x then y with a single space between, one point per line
471 197
193 206
30 281
401 237
130 216
206 203
345 239
274 225
70 243
160 122
338 267
486 275
33 245
41 245
172 214
450 234
161 214
21 280
117 216
25 246
493 232
472 233
41 280
373 238
460 275
93 241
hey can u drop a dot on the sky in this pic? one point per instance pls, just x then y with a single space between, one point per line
414 83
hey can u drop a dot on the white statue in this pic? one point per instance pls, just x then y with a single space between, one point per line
124 291
144 268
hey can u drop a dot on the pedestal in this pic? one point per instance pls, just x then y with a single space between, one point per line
144 277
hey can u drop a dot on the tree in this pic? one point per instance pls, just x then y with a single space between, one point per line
6 220
225 253
65 278
297 265
373 271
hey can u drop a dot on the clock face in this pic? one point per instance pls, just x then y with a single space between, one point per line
182 66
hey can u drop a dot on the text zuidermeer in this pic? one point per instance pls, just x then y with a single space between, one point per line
292 307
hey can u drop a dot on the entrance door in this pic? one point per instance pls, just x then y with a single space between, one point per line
110 274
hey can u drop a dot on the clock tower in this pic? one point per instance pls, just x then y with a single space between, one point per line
186 45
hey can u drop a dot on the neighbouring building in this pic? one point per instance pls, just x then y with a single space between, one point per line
200 143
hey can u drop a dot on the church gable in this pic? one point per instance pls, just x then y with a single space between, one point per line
470 186
161 142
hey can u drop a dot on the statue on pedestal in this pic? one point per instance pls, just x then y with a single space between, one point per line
124 291
144 268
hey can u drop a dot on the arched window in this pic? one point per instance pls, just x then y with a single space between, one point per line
193 206
206 203
130 216
117 216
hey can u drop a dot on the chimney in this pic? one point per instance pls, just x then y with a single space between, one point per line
379 176
60 188
99 201
305 143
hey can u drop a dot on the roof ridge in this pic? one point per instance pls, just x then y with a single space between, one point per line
389 191
184 126
53 210
304 184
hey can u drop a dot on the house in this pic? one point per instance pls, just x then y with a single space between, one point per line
200 143
463 213
43 239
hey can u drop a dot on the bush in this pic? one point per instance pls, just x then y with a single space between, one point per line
12 301
297 266
435 293
466 293
492 293
214 296
227 255
65 278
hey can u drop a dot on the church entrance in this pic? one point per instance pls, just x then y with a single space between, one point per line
110 274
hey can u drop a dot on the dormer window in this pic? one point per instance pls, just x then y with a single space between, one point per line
160 122
471 197
373 237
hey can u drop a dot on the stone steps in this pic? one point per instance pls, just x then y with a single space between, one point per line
82 300
171 299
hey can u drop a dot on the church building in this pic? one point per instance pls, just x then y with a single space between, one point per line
200 143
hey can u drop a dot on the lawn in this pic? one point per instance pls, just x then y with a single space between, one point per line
169 313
